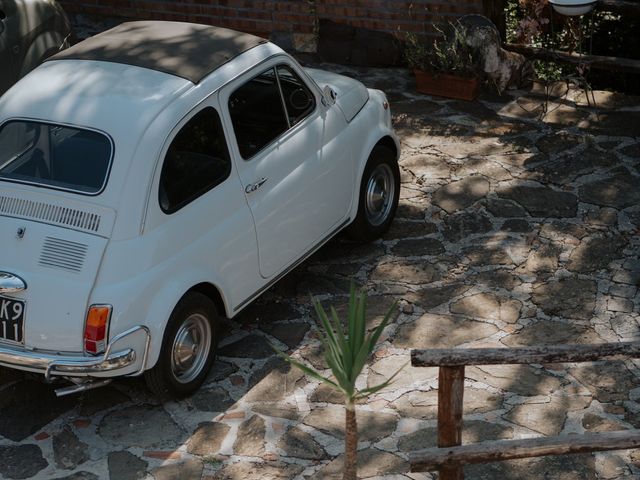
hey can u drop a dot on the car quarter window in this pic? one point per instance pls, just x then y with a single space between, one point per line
197 160
267 106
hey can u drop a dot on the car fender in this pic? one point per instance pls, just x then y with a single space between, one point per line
372 124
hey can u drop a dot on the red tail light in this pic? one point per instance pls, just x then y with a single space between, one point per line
96 328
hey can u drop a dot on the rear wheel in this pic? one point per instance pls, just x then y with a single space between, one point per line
378 198
188 348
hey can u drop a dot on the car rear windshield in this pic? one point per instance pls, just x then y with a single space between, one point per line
54 156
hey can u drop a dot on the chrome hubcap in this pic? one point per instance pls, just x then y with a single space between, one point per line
191 348
379 196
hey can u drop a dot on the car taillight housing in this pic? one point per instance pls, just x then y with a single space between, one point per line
96 328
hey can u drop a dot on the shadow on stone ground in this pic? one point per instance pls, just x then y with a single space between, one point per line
512 230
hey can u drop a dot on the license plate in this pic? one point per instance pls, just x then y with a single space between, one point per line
11 319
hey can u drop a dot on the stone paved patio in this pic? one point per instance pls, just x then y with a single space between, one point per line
511 231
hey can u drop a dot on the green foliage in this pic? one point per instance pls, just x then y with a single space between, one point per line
346 349
449 53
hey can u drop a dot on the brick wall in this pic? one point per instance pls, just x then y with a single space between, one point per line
297 18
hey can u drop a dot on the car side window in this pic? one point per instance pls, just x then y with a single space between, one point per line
257 113
197 160
299 101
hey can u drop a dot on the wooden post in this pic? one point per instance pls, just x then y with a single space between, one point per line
495 10
450 397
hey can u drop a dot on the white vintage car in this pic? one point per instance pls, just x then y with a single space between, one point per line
161 175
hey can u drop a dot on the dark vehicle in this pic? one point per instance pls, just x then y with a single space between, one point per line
30 31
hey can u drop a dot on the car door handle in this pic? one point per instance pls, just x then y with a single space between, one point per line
252 187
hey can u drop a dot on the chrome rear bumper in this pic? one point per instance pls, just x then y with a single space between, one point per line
77 366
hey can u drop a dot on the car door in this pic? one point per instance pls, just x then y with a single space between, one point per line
8 75
298 193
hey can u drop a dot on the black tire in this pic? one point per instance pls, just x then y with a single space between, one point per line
193 313
366 227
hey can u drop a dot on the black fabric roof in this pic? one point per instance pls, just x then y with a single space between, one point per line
187 50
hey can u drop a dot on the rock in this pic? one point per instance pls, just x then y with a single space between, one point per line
484 167
565 467
326 394
543 259
557 142
596 254
488 306
250 439
290 333
215 399
277 410
424 405
190 469
569 167
372 426
142 426
549 332
417 247
220 371
487 255
428 298
501 208
405 229
461 194
299 444
21 461
495 279
126 466
27 406
257 471
414 273
618 191
473 431
79 476
546 418
68 450
517 225
567 297
427 166
608 382
275 380
371 463
520 379
95 401
251 346
460 226
207 439
542 201
441 331
595 423
500 67
408 375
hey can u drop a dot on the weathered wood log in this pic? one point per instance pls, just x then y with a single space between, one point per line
524 355
499 450
598 62
450 398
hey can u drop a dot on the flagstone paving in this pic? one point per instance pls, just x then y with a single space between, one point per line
512 230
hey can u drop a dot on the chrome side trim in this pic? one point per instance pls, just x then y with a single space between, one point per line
292 266
10 283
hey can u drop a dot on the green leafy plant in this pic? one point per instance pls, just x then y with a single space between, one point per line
346 351
449 53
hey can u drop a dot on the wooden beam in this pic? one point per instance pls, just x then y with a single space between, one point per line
450 398
598 62
450 357
499 450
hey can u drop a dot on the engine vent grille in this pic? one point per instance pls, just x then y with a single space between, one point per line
69 217
63 254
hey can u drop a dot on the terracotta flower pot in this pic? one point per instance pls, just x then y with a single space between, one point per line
445 85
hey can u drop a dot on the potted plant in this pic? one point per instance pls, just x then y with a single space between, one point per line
446 66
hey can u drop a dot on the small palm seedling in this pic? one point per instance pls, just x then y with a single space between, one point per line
346 351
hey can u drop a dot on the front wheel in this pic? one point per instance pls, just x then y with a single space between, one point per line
188 348
378 198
